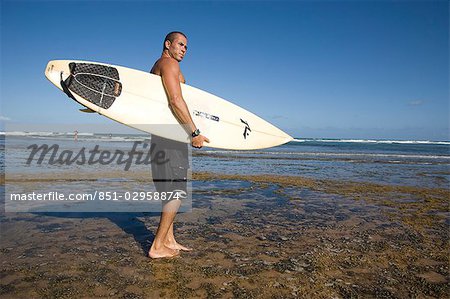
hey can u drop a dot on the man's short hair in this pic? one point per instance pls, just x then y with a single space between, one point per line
171 36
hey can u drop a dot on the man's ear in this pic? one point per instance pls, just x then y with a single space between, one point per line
167 44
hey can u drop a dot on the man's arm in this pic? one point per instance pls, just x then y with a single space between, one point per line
170 71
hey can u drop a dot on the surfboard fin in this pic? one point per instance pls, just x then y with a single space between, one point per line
87 110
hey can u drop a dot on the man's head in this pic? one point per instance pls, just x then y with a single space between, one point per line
175 44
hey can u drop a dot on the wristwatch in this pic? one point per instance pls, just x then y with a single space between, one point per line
195 133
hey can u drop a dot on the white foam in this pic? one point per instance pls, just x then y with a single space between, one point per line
374 141
81 136
328 154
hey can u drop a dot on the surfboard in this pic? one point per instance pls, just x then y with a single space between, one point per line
138 99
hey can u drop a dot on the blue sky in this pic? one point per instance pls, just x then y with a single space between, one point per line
336 69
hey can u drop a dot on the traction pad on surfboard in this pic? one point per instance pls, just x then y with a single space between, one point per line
99 84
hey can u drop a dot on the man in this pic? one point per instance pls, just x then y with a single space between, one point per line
174 50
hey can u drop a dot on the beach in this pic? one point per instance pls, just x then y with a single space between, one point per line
310 219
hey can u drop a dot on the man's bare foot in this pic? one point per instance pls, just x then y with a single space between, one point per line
163 252
177 246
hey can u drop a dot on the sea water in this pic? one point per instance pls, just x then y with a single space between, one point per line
399 162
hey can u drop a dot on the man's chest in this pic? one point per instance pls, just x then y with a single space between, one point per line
181 77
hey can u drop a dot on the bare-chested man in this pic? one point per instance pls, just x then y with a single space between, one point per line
174 49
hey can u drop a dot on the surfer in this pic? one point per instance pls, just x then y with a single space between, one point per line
172 175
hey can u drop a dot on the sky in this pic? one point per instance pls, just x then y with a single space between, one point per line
315 69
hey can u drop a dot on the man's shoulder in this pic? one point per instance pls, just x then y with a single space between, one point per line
168 65
168 62
165 65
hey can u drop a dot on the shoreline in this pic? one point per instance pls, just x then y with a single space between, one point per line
254 236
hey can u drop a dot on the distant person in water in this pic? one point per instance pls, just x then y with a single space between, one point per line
173 175
75 135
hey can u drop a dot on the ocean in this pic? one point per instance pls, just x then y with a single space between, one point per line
314 218
397 162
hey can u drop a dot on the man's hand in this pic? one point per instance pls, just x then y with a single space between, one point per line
197 141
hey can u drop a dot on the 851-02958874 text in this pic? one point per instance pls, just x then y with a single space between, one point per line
149 195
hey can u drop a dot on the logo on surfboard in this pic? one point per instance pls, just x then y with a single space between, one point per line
205 115
247 128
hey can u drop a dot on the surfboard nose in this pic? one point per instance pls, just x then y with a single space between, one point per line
52 73
56 70
49 68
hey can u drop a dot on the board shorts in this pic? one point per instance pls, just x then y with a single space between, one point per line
170 164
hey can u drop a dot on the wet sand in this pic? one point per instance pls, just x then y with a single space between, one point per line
254 237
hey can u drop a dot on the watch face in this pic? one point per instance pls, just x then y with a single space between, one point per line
196 133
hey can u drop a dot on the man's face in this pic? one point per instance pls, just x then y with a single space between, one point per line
177 48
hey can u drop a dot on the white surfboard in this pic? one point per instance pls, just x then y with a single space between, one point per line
138 99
